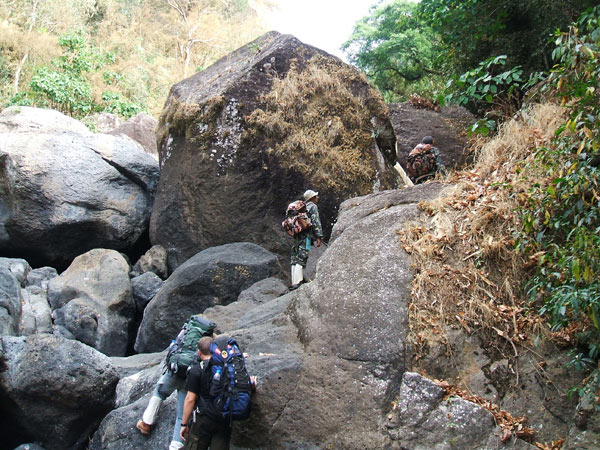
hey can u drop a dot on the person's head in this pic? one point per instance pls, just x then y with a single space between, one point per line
204 347
311 195
427 140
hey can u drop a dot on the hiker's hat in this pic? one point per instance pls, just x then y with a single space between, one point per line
309 194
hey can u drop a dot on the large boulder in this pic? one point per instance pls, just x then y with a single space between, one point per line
214 276
447 126
65 190
53 391
93 300
241 139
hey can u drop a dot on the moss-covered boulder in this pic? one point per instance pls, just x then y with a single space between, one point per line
241 139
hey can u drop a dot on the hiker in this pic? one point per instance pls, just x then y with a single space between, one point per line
424 161
206 426
304 239
177 363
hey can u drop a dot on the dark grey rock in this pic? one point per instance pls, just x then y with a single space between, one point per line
154 260
263 291
144 288
41 276
54 390
136 386
92 299
130 365
447 127
18 267
11 298
423 420
215 276
117 431
66 190
29 447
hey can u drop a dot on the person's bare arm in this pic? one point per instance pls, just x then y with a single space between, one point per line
188 408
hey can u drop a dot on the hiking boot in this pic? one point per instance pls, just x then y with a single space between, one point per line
143 427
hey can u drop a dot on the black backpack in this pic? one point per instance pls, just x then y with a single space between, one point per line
230 386
183 350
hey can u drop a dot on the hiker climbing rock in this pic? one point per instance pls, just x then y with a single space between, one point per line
424 161
218 391
304 224
180 357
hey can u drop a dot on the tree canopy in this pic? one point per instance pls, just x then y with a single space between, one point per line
396 49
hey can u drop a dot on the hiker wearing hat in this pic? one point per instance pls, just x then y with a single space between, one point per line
304 240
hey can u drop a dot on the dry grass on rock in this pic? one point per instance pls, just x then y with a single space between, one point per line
468 274
312 120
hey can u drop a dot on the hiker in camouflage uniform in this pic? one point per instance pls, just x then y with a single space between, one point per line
304 240
425 147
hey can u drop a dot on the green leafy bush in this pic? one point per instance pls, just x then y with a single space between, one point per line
490 90
561 215
65 85
115 103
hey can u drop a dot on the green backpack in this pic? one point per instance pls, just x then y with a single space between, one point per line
183 350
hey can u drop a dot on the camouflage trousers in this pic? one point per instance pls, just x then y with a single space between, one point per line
300 250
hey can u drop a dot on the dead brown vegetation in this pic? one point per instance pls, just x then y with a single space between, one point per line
312 122
468 274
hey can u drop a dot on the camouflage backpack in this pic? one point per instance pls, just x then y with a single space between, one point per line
420 161
296 218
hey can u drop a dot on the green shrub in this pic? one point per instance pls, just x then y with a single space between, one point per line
489 90
561 215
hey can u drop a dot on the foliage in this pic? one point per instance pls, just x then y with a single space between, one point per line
561 215
397 51
66 86
115 103
475 30
490 89
148 39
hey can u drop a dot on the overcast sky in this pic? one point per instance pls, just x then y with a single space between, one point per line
325 24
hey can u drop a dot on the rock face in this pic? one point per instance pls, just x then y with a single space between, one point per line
118 432
53 391
422 420
215 276
154 260
65 190
241 139
144 288
24 308
330 354
93 300
448 127
140 128
11 298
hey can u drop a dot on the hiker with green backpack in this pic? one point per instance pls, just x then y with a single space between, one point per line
180 357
